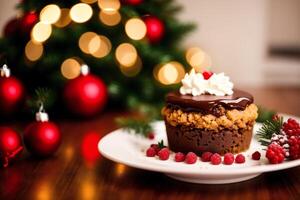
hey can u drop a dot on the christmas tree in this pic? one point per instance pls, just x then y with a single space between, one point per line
132 45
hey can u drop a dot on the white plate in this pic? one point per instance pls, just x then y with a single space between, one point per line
129 149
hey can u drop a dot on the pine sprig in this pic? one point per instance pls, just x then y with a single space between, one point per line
269 128
140 127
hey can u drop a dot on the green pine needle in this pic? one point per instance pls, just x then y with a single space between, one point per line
140 127
269 128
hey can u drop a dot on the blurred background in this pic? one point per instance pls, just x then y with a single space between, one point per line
257 43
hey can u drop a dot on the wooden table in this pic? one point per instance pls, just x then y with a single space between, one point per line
72 173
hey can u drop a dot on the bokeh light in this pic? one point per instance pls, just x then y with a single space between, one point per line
198 59
81 12
110 18
89 147
33 50
89 1
104 47
132 70
135 28
70 68
41 32
85 40
120 169
64 19
94 44
50 14
109 5
169 73
126 54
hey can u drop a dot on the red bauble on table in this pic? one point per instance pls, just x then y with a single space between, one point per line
85 95
11 92
42 137
155 29
11 28
10 145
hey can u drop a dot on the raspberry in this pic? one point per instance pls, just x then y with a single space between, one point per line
164 154
206 156
190 158
294 150
150 152
151 136
240 158
275 153
256 155
228 158
179 157
291 127
207 74
156 147
215 159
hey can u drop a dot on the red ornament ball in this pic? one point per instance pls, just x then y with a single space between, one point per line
85 95
155 29
10 145
42 139
11 95
11 28
132 2
28 21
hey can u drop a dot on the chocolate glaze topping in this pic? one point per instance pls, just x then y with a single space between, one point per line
209 104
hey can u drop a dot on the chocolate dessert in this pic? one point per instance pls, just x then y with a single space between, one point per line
207 122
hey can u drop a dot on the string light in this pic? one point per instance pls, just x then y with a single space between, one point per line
89 1
50 14
94 44
169 73
104 47
81 12
64 19
70 68
85 40
198 59
41 32
126 54
132 70
109 5
33 50
135 28
110 18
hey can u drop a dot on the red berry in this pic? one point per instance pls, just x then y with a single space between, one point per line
179 157
275 153
156 147
215 159
164 154
228 158
151 136
291 127
190 158
256 155
207 74
240 158
294 149
150 152
206 156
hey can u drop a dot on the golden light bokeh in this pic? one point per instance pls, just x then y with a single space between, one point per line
70 68
104 47
85 40
132 70
198 59
89 1
41 32
120 169
81 12
94 44
135 28
169 73
33 50
126 54
50 14
110 18
109 5
64 19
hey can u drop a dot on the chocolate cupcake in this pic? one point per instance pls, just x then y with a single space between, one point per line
207 114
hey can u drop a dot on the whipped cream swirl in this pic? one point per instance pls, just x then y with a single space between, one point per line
195 84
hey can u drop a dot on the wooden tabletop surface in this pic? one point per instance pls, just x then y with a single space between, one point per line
73 173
